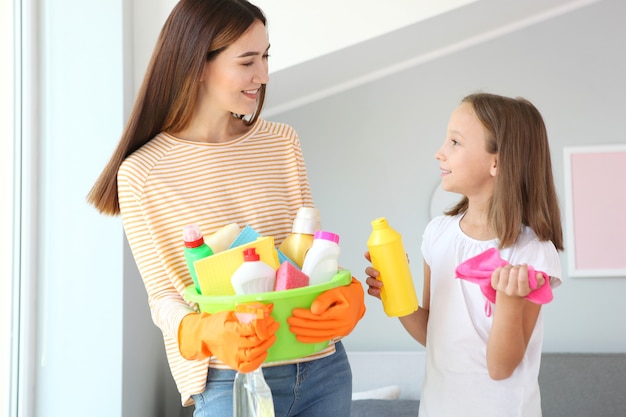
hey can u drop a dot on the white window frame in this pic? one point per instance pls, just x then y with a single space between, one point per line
18 211
7 181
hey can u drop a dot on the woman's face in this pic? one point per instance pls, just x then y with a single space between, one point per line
466 166
232 81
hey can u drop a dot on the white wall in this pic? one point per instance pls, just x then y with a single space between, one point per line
79 269
304 30
369 149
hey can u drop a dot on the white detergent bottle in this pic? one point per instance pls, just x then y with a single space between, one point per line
253 276
297 244
322 260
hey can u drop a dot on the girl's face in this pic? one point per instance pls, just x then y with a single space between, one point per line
466 166
231 82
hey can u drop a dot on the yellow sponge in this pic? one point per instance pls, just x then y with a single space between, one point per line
214 272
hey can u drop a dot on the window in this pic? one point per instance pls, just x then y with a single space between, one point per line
18 127
7 182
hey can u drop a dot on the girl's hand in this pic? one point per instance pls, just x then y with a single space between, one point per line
373 285
513 280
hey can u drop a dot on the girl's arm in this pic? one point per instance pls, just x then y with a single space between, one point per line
513 322
415 323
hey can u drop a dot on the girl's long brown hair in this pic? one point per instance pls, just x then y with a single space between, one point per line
524 190
195 32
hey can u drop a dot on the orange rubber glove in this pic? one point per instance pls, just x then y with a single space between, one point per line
334 313
242 346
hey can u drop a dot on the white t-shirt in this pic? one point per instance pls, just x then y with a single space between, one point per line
456 380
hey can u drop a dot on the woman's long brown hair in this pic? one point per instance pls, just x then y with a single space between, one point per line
524 190
195 32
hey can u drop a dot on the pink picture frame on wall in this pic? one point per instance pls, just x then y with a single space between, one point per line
595 190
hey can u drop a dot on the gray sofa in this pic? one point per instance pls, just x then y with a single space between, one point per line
572 385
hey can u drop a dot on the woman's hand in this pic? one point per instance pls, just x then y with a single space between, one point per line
334 313
242 346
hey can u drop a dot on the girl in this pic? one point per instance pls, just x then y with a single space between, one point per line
196 151
485 361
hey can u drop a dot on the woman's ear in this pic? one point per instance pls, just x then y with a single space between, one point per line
203 73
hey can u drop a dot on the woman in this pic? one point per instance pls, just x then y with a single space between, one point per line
195 151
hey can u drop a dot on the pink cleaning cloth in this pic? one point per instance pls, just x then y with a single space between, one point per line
479 269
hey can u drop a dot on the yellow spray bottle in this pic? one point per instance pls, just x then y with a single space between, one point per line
389 259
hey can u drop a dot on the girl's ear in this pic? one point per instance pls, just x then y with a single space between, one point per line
493 170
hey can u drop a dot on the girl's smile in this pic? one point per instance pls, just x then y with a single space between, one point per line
466 166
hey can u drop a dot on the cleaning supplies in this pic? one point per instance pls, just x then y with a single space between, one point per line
252 396
222 239
248 235
296 245
288 277
286 347
389 259
194 249
245 236
215 272
253 275
322 260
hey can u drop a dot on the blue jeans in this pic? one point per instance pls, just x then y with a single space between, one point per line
319 388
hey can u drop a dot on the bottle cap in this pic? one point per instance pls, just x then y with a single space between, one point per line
250 255
321 234
192 236
307 221
379 223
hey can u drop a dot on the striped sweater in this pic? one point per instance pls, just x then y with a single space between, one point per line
258 179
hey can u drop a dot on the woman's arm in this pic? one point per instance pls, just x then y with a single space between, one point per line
167 306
